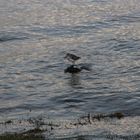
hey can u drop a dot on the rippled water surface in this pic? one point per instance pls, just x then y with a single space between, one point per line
36 35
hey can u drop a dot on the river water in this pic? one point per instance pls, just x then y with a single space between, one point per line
35 35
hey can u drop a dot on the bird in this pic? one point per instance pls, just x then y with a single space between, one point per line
72 57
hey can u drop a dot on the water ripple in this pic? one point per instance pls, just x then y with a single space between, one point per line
12 36
33 44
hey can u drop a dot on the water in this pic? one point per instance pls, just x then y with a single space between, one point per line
36 35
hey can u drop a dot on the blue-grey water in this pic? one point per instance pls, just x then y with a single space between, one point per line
35 35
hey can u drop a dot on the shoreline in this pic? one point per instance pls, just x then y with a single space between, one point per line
107 126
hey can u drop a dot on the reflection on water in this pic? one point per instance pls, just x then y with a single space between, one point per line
74 80
34 36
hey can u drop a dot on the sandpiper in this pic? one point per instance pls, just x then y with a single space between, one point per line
71 57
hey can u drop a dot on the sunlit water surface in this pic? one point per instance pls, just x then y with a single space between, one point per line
36 35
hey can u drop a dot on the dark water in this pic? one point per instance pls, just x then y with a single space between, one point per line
36 35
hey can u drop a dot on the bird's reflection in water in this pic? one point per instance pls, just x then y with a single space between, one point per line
74 79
